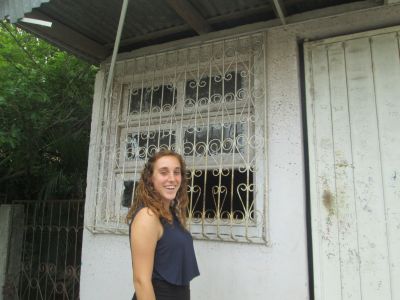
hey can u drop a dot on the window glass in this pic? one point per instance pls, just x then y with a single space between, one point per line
221 194
127 192
144 144
222 138
152 99
216 88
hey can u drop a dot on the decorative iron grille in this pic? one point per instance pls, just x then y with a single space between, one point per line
51 251
206 102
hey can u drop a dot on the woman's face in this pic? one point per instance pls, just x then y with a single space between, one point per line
167 177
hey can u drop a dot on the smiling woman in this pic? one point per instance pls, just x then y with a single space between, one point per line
163 258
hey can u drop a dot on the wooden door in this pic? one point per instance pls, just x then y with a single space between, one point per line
353 123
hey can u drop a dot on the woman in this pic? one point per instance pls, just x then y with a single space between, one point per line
163 258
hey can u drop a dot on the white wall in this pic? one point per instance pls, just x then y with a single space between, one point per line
238 271
106 267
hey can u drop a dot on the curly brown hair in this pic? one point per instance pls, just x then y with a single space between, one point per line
146 196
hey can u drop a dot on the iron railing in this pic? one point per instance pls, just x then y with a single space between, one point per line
206 102
51 251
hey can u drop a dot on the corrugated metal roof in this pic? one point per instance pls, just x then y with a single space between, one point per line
88 27
210 8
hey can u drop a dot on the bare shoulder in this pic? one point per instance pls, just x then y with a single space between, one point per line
146 221
146 215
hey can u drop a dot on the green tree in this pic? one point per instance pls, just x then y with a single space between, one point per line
45 109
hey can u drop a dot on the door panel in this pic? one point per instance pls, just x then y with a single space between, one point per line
353 120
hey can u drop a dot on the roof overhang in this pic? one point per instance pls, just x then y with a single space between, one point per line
88 28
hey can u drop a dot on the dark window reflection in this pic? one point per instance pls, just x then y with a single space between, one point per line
217 138
145 144
230 192
213 88
152 98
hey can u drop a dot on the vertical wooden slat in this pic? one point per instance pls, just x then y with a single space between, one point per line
316 249
385 54
326 233
343 164
367 171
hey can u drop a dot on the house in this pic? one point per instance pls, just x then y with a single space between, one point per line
287 113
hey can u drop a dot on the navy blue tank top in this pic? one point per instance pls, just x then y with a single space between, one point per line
174 260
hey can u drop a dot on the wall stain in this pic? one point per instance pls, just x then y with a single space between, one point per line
327 200
343 164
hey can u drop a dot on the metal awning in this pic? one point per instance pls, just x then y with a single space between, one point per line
88 28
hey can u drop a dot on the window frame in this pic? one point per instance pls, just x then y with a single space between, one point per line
121 119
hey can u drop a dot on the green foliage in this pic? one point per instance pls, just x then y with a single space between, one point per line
45 109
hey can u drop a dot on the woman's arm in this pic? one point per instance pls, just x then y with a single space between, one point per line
146 230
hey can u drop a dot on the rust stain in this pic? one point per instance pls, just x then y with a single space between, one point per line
327 200
342 164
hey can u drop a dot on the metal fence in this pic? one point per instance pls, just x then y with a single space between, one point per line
50 256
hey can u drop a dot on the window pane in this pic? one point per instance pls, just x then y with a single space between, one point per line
225 194
152 99
144 144
216 139
127 193
199 91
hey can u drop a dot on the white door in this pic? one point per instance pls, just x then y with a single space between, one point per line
353 120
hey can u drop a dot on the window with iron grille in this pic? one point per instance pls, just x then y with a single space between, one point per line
207 103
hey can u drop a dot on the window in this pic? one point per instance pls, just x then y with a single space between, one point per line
151 99
127 193
214 139
214 89
208 104
143 144
221 194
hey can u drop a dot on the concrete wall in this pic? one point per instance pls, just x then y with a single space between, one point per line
11 236
238 271
5 227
